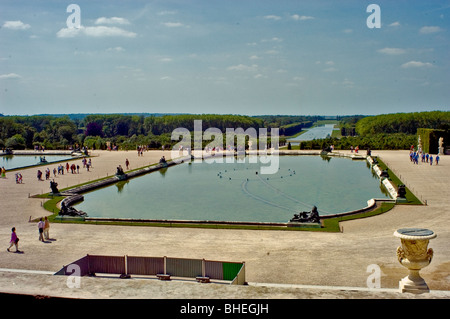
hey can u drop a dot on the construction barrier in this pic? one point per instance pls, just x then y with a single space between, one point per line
162 267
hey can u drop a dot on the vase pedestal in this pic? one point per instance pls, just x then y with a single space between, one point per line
413 283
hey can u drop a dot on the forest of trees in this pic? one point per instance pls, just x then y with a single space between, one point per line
388 131
95 130
407 123
385 131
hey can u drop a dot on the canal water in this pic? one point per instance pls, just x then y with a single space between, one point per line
315 133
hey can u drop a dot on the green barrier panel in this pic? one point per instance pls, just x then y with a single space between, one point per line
230 270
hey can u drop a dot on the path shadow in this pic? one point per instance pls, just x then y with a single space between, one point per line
16 252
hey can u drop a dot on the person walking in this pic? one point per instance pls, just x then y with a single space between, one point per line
46 228
14 240
41 229
127 163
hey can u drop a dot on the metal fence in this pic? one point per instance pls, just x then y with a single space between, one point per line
162 267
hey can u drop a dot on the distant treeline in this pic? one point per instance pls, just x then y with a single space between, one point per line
123 130
126 131
386 131
394 141
407 123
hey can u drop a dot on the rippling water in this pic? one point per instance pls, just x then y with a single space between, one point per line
234 192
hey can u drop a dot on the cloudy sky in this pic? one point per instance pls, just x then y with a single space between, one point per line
224 56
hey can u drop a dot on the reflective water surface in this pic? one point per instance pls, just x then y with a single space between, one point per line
235 192
16 161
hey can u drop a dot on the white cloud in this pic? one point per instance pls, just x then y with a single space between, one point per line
416 64
165 60
392 51
164 13
272 17
274 39
116 49
68 32
9 76
243 67
301 18
429 29
395 24
260 76
98 31
113 20
348 84
272 52
254 57
102 31
16 25
173 24
348 31
330 70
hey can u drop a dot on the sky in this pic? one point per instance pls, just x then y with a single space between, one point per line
249 57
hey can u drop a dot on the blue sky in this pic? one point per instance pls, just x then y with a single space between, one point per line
247 57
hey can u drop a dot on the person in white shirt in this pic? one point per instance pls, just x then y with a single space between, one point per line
41 229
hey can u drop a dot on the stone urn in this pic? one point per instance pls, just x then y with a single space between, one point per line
414 254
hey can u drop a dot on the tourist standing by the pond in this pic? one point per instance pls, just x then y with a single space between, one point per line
3 172
41 229
46 228
127 163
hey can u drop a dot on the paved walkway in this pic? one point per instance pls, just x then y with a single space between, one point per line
274 257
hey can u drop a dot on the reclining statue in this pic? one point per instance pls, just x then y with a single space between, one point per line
307 217
70 211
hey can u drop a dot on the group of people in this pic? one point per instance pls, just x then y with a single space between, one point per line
19 178
47 174
74 169
141 149
415 156
43 229
356 149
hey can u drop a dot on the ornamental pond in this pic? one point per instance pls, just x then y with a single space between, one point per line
238 192
18 161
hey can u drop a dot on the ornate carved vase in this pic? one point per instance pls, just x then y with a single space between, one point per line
414 254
